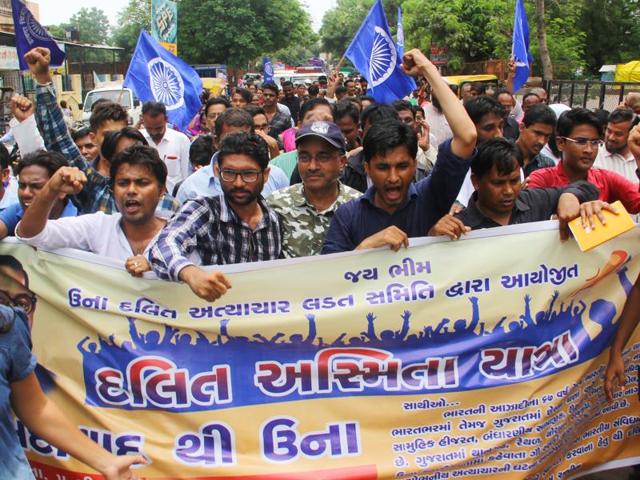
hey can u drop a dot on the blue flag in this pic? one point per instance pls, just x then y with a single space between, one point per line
374 54
267 70
155 74
520 49
30 34
400 34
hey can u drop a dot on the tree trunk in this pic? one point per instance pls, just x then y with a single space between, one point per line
547 66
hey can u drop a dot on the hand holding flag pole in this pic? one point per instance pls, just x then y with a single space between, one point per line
339 65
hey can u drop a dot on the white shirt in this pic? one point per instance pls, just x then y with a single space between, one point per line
625 166
558 109
438 126
547 152
96 233
466 190
175 144
27 135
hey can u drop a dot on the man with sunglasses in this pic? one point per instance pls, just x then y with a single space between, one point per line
236 227
579 135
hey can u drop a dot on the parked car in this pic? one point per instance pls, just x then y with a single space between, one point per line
116 93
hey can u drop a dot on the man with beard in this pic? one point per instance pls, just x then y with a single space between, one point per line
173 146
536 128
614 155
204 182
579 134
236 227
139 177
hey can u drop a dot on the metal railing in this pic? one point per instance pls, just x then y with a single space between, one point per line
591 94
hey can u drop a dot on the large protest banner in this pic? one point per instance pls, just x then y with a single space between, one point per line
481 358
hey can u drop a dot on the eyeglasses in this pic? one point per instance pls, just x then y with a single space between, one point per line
26 301
321 157
583 142
248 176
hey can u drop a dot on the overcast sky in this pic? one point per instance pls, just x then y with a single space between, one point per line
52 12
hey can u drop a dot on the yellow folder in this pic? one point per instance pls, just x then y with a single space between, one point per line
616 225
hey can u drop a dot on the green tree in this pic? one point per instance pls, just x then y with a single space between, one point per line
477 30
238 31
472 30
134 17
58 31
543 48
92 24
564 38
294 55
612 30
341 23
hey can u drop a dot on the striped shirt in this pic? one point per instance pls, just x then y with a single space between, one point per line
208 227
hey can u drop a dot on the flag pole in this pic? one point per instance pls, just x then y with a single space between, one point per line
337 69
120 94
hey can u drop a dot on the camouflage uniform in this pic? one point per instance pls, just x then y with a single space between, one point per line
304 228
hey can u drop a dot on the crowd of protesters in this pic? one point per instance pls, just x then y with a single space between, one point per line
274 171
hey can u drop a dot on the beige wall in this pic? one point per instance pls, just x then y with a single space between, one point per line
73 96
6 20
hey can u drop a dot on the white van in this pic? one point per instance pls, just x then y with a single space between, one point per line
115 93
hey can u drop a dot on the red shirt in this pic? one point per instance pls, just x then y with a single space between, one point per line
611 185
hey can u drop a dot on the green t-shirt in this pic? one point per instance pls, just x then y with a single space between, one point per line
286 161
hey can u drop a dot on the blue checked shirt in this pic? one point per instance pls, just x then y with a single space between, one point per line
208 227
96 196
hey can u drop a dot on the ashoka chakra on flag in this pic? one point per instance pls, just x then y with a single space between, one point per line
32 29
166 83
382 61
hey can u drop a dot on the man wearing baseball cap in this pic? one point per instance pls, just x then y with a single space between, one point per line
305 209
